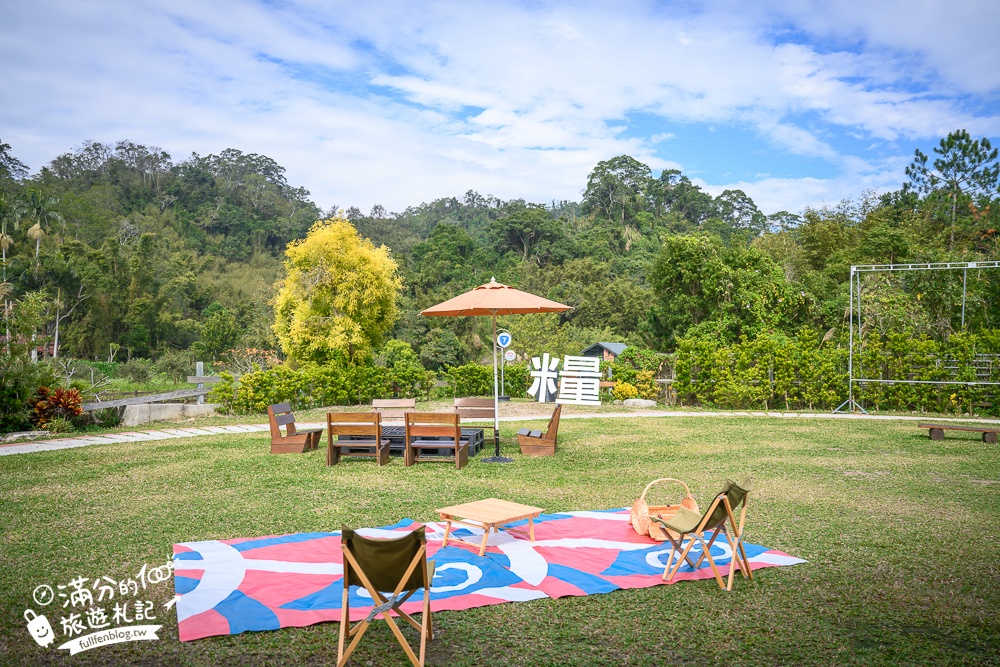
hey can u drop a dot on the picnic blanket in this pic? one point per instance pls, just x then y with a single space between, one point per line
266 583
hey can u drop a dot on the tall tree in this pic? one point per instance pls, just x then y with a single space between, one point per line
339 296
617 188
966 168
39 208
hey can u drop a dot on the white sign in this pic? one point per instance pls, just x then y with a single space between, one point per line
580 381
510 355
545 375
503 339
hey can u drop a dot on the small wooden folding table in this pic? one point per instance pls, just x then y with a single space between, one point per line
488 514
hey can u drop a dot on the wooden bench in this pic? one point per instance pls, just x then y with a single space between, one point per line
394 408
366 425
937 431
293 441
537 443
477 408
435 431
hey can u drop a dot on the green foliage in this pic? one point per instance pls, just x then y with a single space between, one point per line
176 365
20 376
139 255
339 295
632 361
469 380
516 379
441 348
60 425
137 370
408 378
315 385
220 331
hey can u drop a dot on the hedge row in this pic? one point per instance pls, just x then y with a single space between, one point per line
312 386
804 373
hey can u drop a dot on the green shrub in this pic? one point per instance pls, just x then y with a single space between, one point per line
634 360
469 380
137 370
106 417
314 385
60 425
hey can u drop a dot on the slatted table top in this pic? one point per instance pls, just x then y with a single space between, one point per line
491 511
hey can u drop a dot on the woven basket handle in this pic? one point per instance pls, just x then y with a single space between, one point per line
687 491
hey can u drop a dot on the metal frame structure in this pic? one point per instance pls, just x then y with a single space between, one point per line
852 405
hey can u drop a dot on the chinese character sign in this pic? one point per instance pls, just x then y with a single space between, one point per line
83 610
544 385
580 381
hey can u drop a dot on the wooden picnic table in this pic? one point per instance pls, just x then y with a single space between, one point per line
488 514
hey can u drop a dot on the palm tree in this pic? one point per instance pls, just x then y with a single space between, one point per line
35 205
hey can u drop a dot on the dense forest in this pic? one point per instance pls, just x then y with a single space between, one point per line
115 252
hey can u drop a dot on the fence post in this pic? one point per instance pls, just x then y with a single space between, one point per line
199 370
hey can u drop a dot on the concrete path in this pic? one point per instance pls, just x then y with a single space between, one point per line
173 433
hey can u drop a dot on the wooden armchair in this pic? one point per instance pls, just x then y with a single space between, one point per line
293 441
537 443
477 408
446 432
367 429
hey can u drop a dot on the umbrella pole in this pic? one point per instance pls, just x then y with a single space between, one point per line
496 458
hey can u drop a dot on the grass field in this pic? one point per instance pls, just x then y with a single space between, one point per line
901 534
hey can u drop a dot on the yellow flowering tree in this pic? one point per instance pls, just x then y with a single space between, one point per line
338 297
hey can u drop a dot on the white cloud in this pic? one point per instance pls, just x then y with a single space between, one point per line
398 103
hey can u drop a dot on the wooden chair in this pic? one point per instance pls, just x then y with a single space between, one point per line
537 443
394 408
445 427
293 441
477 408
367 425
382 565
693 525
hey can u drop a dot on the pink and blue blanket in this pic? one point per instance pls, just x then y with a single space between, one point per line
266 583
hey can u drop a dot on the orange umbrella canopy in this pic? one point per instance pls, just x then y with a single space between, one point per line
494 298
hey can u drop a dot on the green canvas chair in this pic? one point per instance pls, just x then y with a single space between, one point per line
382 565
719 519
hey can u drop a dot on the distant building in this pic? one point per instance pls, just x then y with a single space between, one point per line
606 351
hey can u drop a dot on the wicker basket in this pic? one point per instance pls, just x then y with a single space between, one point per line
640 515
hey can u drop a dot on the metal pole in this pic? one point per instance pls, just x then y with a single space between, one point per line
503 365
496 458
850 345
965 276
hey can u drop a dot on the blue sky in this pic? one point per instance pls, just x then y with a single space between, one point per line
397 103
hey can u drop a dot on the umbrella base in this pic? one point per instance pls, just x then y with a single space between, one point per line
496 459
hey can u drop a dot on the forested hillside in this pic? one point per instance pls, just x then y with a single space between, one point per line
126 252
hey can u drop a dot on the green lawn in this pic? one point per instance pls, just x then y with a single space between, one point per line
901 534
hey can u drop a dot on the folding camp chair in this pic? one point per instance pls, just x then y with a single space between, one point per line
381 565
693 526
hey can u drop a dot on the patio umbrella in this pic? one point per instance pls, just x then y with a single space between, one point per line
494 299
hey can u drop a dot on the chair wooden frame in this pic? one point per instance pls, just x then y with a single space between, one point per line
293 441
734 537
385 606
478 408
537 443
365 424
394 408
423 425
